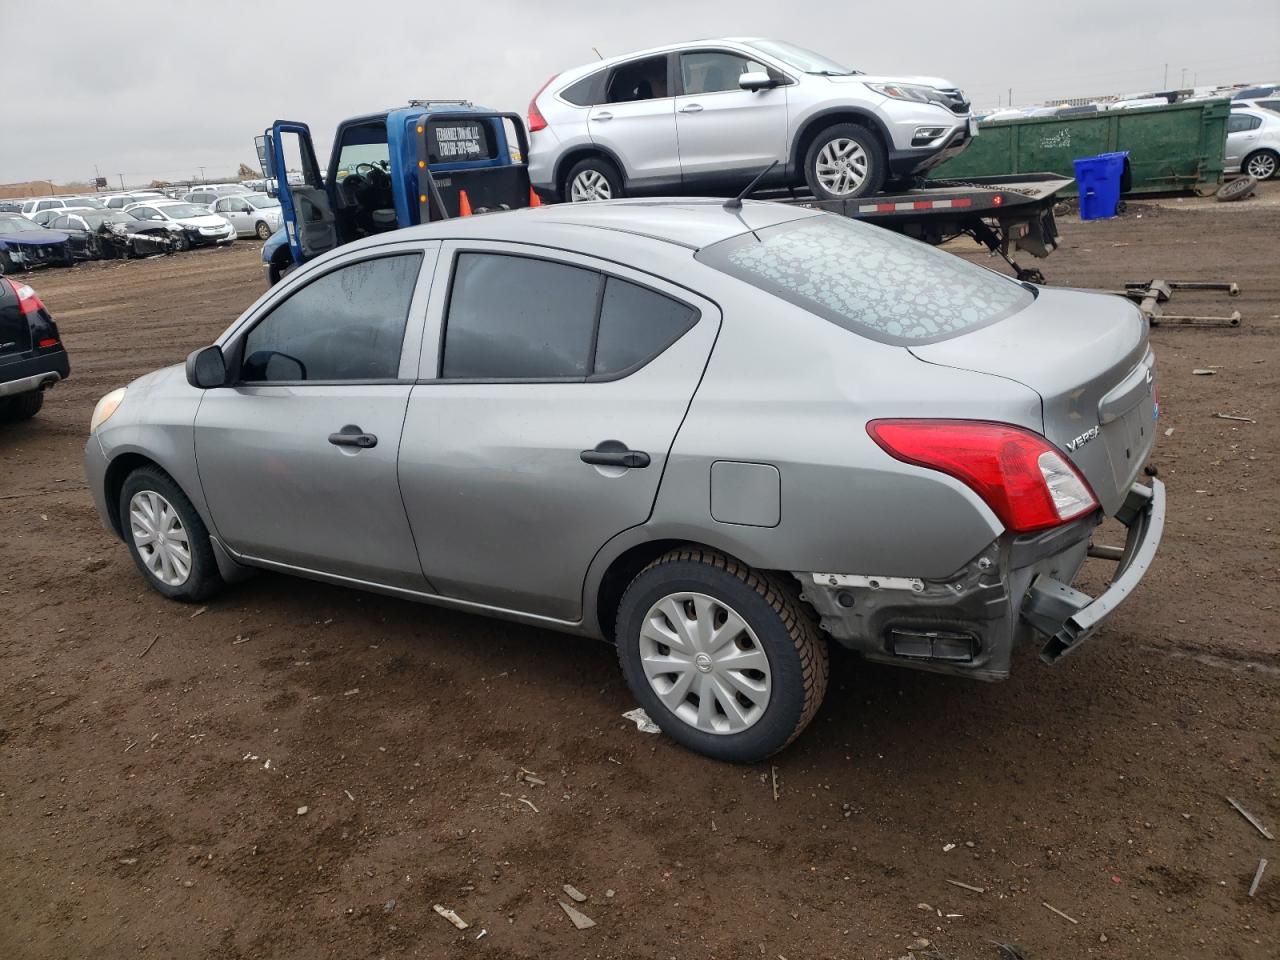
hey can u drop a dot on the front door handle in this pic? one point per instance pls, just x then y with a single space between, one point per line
602 116
612 453
691 108
353 436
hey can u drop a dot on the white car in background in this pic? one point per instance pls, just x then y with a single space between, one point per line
199 226
253 214
1253 143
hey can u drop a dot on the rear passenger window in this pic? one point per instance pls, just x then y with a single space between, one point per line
641 80
636 325
347 325
516 318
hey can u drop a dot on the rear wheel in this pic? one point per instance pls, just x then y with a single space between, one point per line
1262 165
594 178
845 161
166 537
262 230
181 242
22 407
6 263
723 658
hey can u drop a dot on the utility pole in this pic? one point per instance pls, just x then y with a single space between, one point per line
121 176
1183 82
202 179
1166 76
1011 96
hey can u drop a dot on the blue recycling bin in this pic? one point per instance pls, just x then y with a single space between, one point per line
1100 181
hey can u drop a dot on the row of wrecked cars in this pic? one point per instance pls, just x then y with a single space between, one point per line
82 234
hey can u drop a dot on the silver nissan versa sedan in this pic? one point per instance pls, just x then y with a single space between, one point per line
720 438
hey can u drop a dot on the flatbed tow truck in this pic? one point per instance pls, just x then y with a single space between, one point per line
1004 214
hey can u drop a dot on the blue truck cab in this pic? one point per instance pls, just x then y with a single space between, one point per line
430 160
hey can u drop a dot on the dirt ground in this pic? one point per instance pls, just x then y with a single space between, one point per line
155 759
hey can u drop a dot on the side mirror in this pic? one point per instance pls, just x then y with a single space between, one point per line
756 81
207 368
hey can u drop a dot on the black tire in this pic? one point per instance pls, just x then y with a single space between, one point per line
1268 160
6 263
203 579
877 161
1237 189
183 242
24 406
262 230
797 655
600 166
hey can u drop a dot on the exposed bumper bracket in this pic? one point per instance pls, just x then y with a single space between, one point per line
1065 615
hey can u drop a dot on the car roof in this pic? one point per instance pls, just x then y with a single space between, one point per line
586 68
691 223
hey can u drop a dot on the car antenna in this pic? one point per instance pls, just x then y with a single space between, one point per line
597 53
736 202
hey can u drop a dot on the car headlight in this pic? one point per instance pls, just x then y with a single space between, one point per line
105 408
907 91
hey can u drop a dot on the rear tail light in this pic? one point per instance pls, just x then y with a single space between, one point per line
1025 481
28 302
536 120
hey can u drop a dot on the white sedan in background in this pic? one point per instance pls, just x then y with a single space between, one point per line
199 226
252 214
1253 142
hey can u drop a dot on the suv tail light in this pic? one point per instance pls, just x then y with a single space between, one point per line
536 120
28 302
1023 478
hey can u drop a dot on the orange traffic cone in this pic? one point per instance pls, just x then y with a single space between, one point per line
464 205
534 199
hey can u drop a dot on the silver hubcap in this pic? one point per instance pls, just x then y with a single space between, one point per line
704 663
842 166
1262 166
590 185
160 538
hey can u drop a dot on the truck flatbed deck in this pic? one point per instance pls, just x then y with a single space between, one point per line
1004 213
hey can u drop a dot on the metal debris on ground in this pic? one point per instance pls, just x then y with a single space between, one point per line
1203 372
528 776
349 795
967 886
641 720
449 915
197 613
1149 295
1008 951
774 772
239 639
149 646
530 805
1257 876
482 934
1257 824
1050 906
1228 416
576 895
580 919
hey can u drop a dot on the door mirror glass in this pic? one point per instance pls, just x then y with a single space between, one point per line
206 368
755 81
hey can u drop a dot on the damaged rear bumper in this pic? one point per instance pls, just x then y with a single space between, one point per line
1016 590
1065 615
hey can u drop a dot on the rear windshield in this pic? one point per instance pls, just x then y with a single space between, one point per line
869 280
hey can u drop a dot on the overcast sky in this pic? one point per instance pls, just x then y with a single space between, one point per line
159 88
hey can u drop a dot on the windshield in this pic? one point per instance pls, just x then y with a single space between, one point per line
262 203
806 61
93 202
869 280
183 210
18 225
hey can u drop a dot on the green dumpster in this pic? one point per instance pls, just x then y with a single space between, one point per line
1171 148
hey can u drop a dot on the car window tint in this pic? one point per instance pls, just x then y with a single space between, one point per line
346 325
636 324
710 71
639 80
518 318
868 280
582 93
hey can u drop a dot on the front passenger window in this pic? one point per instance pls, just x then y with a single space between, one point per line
346 325
711 71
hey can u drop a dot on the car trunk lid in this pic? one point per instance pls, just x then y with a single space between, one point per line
15 331
1088 358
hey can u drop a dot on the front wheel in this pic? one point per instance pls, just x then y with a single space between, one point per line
593 179
166 537
181 242
1262 165
723 658
263 231
845 161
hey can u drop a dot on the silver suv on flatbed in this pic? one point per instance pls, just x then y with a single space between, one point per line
708 116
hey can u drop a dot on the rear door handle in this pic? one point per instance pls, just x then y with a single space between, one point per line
602 116
613 453
353 436
691 108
